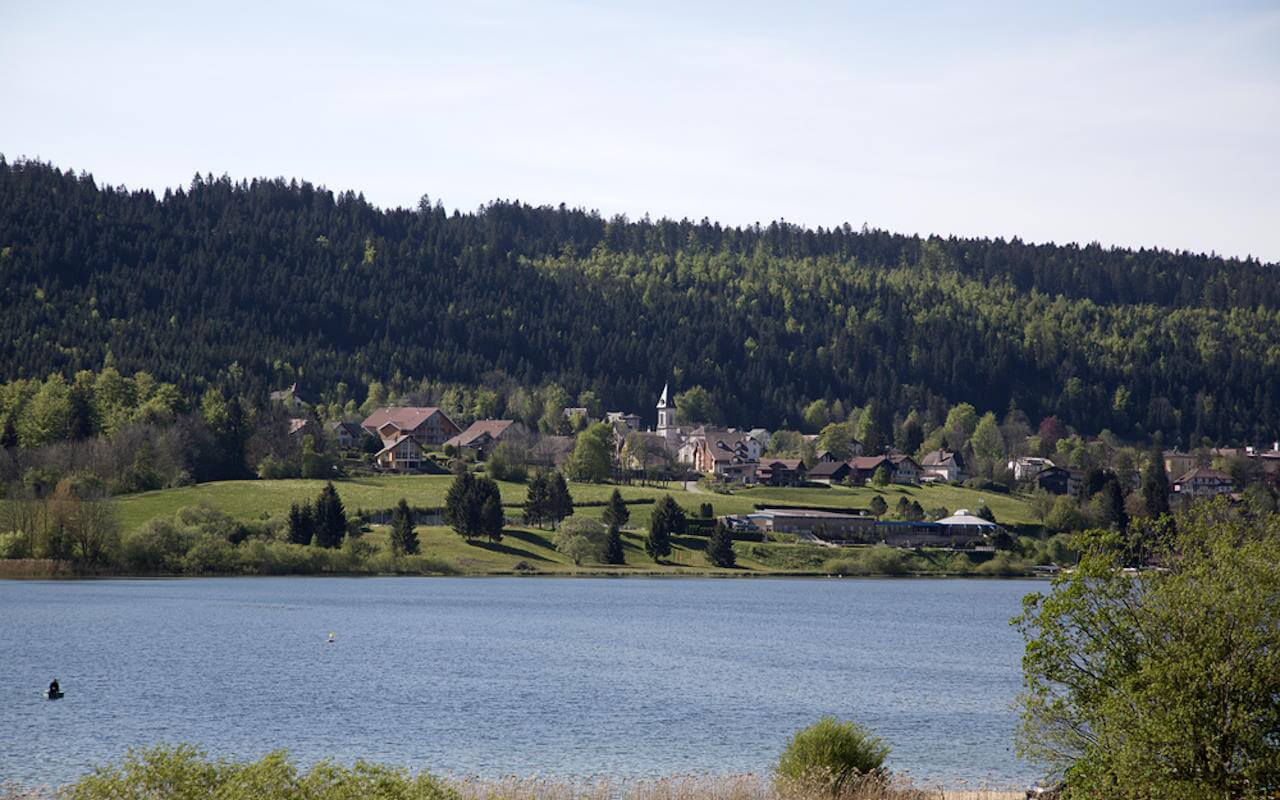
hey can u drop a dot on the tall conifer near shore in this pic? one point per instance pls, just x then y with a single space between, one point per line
404 539
720 546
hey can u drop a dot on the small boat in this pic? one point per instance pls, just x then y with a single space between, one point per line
48 695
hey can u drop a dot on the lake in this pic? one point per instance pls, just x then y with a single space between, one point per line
501 676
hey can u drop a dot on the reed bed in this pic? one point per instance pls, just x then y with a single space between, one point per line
679 787
707 787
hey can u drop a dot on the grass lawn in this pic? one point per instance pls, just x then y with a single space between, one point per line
259 498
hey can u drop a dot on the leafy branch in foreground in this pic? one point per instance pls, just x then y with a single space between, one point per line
1166 683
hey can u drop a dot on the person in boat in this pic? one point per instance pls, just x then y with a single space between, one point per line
54 691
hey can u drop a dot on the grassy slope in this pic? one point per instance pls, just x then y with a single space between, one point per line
537 549
253 499
1009 509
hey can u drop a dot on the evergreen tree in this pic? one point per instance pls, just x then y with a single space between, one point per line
538 500
473 507
1113 503
461 511
301 524
916 511
559 501
1155 484
878 506
613 552
404 539
616 512
330 518
720 546
903 509
490 516
668 519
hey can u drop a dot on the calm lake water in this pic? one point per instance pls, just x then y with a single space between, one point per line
498 676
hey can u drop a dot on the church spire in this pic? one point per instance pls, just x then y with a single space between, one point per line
666 413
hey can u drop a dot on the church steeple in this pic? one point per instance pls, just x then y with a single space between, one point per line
666 412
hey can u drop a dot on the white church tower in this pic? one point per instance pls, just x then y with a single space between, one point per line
666 413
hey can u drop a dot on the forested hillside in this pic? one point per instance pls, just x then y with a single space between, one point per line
288 280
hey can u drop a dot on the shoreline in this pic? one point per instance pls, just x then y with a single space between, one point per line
601 574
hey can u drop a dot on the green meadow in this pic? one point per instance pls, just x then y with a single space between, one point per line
258 499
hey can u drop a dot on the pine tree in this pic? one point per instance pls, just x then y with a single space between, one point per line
878 506
491 516
460 509
330 518
616 513
404 539
720 546
1155 484
1114 503
668 519
301 524
903 509
613 552
537 500
559 501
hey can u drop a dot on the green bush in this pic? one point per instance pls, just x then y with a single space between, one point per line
184 773
878 560
831 754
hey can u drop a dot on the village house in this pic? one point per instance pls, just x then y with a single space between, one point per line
943 465
1201 482
762 436
905 469
864 468
727 455
348 435
1058 480
429 427
1179 463
830 472
483 435
628 421
781 472
301 427
1024 468
401 454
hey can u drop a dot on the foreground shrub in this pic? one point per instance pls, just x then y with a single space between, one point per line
831 755
1162 684
184 773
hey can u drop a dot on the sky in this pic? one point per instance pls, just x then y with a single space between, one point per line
1133 124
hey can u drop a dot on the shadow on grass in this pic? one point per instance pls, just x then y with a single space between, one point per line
530 537
505 549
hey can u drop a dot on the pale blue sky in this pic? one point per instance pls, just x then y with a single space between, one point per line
1153 124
